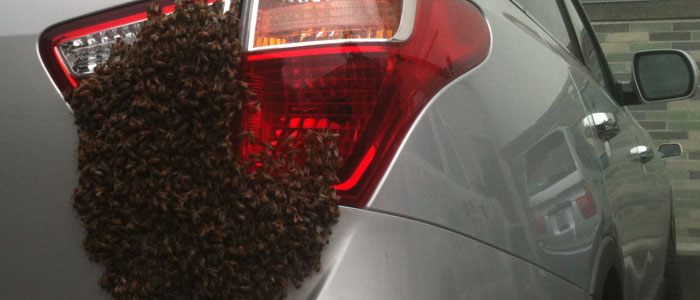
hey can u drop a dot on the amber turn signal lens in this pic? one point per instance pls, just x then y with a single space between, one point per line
283 22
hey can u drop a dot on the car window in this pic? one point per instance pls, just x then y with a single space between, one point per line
591 56
548 14
548 161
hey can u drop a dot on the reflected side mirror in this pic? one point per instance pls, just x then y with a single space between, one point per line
670 150
603 124
660 76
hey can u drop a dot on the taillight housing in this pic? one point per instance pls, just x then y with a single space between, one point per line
71 50
366 86
362 68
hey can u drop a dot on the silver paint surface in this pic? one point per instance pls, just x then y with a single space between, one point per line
466 165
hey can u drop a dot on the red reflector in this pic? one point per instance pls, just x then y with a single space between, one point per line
586 204
369 93
541 225
355 177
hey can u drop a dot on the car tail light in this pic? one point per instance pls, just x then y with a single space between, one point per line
586 204
360 68
366 85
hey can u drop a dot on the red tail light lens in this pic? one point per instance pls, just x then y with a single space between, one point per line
541 225
319 64
586 204
368 92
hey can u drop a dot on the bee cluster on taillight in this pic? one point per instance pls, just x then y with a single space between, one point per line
175 205
169 208
363 69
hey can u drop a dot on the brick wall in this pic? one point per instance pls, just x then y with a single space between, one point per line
676 122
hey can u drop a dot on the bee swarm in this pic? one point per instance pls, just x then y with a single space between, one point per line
169 208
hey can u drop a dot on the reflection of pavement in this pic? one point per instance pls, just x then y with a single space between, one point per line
689 267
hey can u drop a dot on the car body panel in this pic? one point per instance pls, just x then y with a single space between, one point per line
40 236
463 167
372 255
40 248
452 218
639 212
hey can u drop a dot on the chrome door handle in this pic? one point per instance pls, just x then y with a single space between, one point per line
603 124
641 154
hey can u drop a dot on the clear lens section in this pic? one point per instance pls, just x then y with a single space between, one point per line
84 53
282 22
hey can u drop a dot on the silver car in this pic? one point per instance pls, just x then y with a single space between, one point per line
489 153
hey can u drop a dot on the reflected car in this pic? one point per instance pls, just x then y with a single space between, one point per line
560 196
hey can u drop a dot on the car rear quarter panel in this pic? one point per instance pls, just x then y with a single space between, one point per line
377 256
40 236
463 165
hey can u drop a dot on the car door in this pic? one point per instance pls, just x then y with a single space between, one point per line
555 162
630 172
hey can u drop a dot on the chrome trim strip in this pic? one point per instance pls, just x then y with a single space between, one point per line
48 75
408 17
244 18
679 145
252 13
